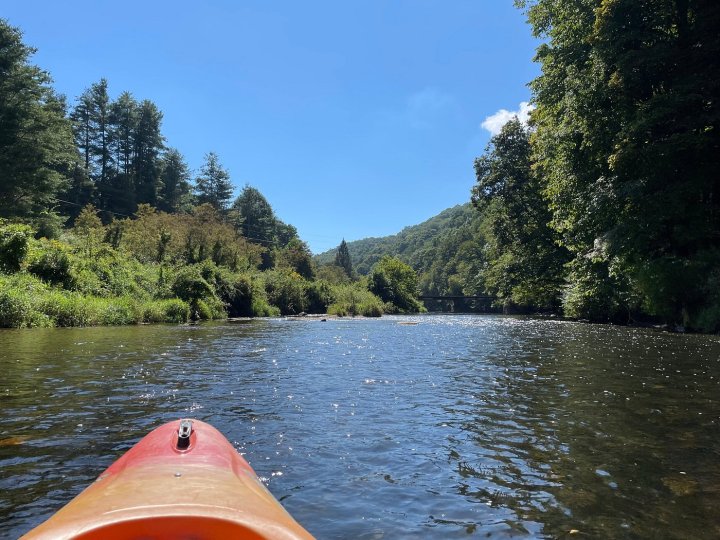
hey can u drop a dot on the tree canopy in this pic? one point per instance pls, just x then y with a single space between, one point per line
37 154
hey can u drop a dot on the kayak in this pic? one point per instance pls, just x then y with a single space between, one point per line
182 480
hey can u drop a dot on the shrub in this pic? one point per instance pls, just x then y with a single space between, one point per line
14 243
175 310
319 296
394 281
51 263
286 291
19 303
119 311
189 285
355 300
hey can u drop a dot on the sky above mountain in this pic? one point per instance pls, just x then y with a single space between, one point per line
354 119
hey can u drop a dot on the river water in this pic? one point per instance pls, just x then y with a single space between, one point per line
436 426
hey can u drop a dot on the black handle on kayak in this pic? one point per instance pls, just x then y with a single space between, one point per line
184 432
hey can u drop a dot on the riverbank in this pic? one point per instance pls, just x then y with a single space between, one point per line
82 280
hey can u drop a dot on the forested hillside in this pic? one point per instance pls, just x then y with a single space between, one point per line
446 251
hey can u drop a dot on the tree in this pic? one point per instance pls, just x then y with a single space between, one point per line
628 141
343 260
37 154
124 118
174 182
213 185
395 283
148 145
257 218
297 256
525 265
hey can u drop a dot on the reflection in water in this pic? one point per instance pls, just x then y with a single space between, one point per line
459 425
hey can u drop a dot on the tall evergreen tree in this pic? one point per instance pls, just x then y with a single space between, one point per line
257 218
213 184
124 113
37 154
100 143
343 260
148 143
174 182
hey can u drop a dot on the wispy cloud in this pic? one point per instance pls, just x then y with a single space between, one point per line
425 107
495 122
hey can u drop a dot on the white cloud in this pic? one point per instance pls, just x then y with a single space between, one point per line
495 122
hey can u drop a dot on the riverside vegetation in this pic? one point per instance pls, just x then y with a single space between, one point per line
159 267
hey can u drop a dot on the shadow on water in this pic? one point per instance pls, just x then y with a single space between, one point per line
432 426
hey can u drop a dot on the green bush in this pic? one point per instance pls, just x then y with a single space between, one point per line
70 309
51 262
173 310
286 291
14 244
319 296
119 311
394 281
19 297
355 300
189 285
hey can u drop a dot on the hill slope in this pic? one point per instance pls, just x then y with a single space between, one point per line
446 251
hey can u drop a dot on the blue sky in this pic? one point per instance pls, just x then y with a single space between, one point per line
354 119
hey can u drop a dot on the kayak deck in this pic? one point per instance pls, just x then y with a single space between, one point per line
162 490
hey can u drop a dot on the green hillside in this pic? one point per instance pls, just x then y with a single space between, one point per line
446 251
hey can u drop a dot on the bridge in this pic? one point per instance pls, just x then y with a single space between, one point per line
481 303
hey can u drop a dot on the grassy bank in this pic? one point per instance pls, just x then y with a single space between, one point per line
82 280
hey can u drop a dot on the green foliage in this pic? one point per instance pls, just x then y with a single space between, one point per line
175 192
213 185
173 310
50 261
332 274
395 282
296 256
354 299
14 244
343 259
189 285
594 293
286 291
36 143
319 295
626 142
18 302
256 220
447 251
524 262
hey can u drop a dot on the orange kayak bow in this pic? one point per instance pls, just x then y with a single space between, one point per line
183 480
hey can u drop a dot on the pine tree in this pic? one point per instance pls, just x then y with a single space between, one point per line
256 217
37 154
213 185
175 182
343 260
148 143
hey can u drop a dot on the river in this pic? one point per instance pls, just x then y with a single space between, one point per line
435 426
